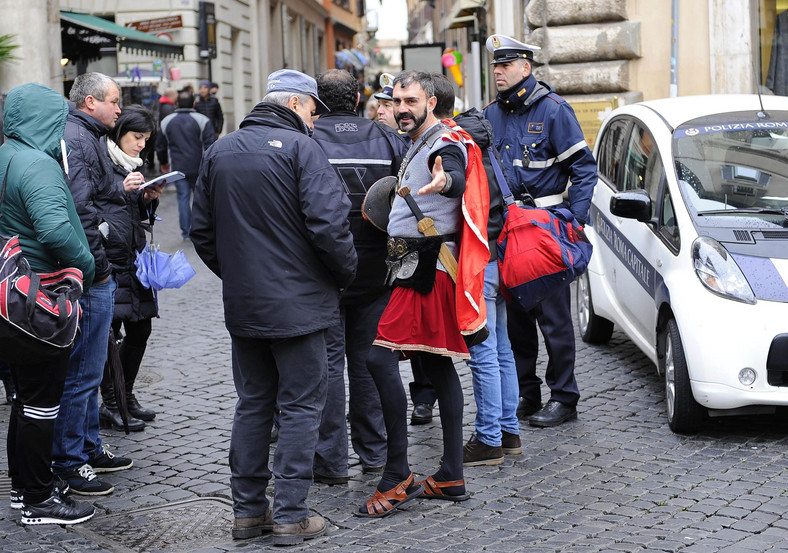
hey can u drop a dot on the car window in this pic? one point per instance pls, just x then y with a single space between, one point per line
654 176
732 168
639 150
668 227
611 150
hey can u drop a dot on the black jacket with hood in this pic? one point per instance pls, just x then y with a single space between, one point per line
270 218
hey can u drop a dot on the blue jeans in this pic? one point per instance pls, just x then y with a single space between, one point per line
77 426
184 189
492 365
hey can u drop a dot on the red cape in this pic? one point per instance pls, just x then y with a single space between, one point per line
474 248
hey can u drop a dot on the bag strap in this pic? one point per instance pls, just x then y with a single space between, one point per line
508 197
440 127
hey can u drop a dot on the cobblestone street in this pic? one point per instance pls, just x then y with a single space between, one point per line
617 479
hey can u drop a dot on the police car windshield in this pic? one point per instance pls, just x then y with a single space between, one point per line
734 163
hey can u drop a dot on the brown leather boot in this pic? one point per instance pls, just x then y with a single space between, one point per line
293 534
251 527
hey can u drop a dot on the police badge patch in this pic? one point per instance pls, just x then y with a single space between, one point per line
535 128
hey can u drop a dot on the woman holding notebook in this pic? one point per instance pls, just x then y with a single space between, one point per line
124 235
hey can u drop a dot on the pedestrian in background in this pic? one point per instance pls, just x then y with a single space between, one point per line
542 147
271 221
361 151
184 136
167 103
77 453
38 208
128 142
209 105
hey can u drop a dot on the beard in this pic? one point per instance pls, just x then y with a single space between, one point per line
418 121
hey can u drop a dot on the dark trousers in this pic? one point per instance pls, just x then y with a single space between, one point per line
352 338
290 373
554 316
421 389
132 350
32 425
384 367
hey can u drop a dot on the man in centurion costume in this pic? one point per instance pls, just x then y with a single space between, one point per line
439 212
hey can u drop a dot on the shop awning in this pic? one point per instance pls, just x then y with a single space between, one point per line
84 35
460 9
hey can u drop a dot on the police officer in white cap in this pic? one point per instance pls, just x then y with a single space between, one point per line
385 113
543 148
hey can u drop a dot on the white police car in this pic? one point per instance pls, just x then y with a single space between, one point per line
689 223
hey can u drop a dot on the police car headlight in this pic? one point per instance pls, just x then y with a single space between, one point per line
717 270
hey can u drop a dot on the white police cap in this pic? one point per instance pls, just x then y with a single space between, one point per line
387 84
505 49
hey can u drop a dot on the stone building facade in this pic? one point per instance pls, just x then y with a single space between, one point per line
598 50
253 38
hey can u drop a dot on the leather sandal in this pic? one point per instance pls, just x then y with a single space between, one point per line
384 503
433 489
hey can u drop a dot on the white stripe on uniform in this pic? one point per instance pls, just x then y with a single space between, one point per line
337 161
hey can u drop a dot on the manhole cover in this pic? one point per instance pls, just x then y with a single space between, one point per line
181 526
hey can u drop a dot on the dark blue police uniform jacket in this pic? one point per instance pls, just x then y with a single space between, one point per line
542 145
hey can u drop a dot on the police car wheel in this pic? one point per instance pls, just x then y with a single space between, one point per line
685 415
593 328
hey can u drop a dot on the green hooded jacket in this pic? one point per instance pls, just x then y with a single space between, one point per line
38 206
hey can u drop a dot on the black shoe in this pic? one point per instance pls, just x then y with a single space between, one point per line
107 462
60 487
476 453
16 498
57 510
422 414
110 418
330 480
527 408
138 411
84 481
553 414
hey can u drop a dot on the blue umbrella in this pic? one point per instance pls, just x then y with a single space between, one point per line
158 270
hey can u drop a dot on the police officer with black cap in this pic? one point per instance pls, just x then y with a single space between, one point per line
543 148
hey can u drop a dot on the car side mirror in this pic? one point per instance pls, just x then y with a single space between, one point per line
633 204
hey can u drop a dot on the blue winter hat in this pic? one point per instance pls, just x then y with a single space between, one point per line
288 80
